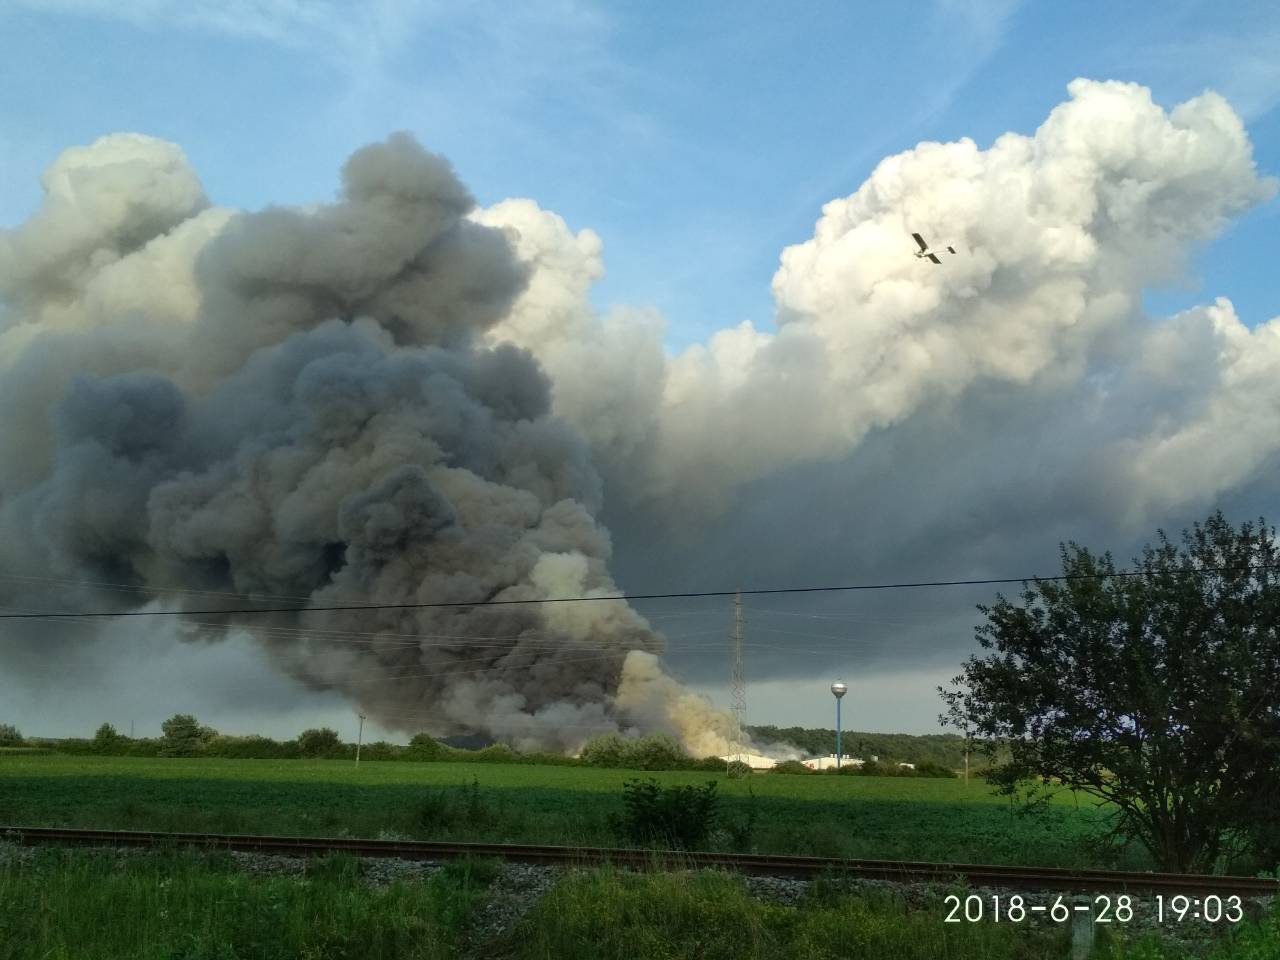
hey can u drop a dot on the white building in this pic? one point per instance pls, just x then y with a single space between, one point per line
829 762
755 761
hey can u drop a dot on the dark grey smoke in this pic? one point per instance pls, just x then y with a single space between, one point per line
325 425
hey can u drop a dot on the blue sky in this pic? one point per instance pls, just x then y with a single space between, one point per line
697 140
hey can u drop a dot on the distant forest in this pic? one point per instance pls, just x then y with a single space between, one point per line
945 749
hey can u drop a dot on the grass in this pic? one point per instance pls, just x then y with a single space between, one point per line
892 818
73 905
603 915
82 905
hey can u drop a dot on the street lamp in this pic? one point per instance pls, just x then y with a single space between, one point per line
839 688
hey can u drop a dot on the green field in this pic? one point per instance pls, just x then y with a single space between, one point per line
872 817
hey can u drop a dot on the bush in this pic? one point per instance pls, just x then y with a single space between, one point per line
657 752
789 766
712 764
448 807
252 748
9 736
610 750
498 753
380 750
547 759
423 746
735 769
318 743
679 817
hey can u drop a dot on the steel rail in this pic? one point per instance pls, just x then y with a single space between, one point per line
900 871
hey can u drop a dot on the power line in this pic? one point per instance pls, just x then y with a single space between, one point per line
628 597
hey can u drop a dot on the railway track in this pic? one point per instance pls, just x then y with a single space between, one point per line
901 871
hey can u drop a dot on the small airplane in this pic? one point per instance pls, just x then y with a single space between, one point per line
924 253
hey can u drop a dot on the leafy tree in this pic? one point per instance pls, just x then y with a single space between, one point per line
106 738
610 750
9 736
1155 692
658 752
322 742
181 736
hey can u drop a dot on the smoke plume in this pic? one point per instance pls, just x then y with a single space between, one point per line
298 404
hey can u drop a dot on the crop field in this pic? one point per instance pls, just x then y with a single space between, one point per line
872 817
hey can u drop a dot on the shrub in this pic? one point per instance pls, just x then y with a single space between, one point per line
713 764
423 746
659 752
736 768
252 748
380 750
9 736
610 750
498 753
322 742
447 807
680 817
789 766
548 759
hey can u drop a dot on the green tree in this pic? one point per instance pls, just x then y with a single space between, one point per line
1155 692
106 738
658 752
181 736
322 742
9 736
609 750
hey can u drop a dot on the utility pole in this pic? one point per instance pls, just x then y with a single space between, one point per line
737 678
839 689
359 738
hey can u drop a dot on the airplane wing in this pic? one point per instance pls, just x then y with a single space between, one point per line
920 240
934 258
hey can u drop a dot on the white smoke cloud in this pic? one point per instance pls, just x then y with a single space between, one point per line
1058 232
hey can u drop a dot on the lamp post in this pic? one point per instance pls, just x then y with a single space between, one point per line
839 688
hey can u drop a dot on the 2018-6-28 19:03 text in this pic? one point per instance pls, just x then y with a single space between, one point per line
1103 908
